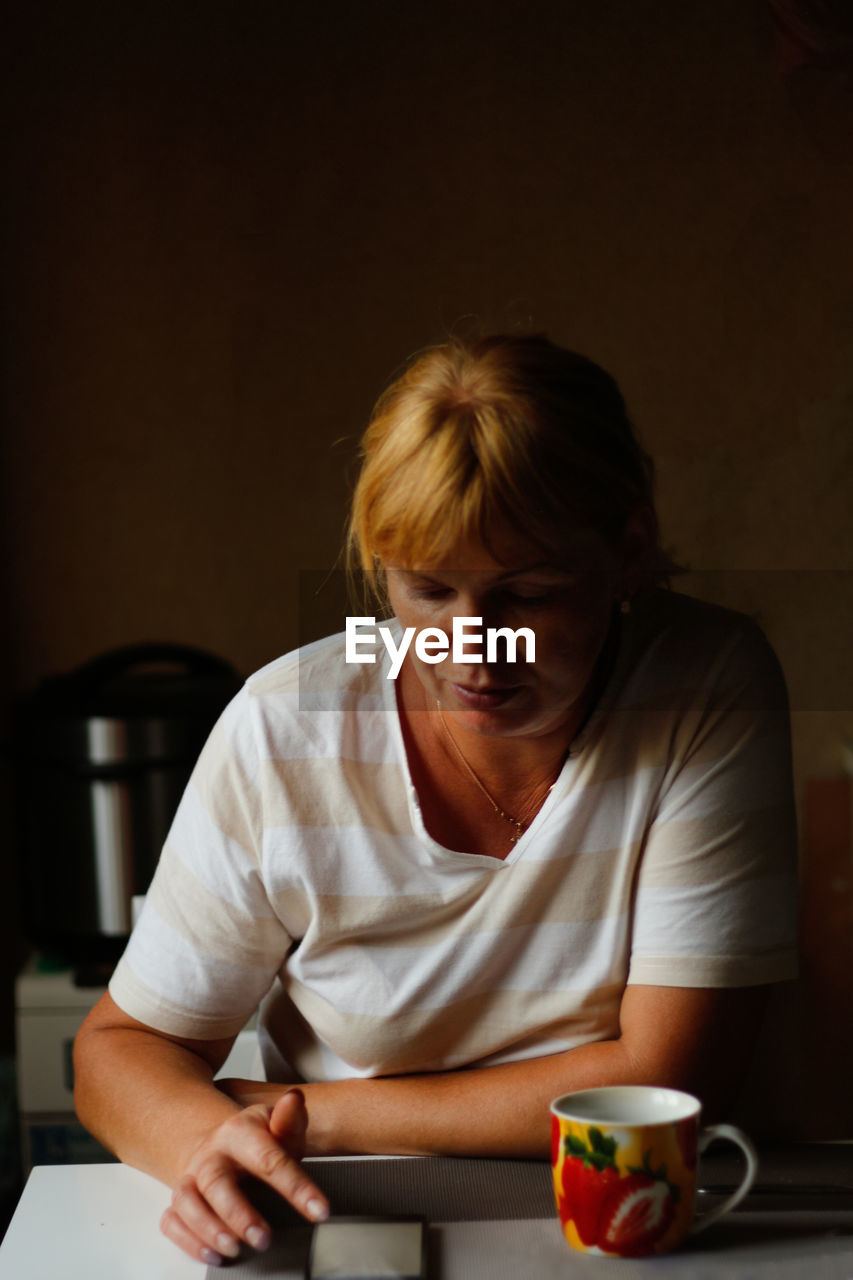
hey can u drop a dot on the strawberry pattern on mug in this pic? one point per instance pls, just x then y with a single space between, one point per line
637 1212
614 1198
589 1171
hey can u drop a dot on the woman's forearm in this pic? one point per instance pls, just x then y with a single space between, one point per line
498 1111
485 1111
668 1036
146 1099
152 1101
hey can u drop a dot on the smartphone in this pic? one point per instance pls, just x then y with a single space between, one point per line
367 1248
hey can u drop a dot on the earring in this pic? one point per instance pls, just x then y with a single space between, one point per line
625 606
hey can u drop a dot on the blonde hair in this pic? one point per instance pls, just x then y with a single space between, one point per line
497 432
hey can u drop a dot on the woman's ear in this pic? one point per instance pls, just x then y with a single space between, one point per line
638 542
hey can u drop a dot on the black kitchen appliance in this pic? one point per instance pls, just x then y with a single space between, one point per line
102 756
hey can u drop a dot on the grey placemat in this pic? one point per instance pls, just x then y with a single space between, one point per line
495 1220
441 1188
531 1249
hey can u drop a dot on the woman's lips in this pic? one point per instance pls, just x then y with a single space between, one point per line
484 698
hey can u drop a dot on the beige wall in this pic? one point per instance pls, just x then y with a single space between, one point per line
227 231
228 223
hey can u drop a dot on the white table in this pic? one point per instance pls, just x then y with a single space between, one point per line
92 1222
100 1222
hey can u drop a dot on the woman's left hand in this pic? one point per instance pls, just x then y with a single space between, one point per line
322 1137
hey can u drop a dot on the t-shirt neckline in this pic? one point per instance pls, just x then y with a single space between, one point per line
389 697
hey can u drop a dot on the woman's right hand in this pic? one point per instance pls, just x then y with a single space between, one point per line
209 1214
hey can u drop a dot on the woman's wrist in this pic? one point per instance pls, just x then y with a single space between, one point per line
325 1133
248 1092
323 1136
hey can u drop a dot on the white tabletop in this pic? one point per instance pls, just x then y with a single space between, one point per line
92 1222
101 1222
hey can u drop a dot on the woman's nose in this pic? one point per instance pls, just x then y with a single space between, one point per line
468 605
475 640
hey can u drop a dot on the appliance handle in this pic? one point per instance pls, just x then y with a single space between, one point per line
95 673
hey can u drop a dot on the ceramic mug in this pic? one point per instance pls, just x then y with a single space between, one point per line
624 1162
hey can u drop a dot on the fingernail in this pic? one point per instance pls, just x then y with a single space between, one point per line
211 1257
228 1245
258 1238
317 1210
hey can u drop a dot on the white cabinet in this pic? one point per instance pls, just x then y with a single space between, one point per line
49 1008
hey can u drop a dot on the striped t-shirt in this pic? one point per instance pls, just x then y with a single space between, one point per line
298 871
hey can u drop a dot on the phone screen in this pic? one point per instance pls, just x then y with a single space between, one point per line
368 1248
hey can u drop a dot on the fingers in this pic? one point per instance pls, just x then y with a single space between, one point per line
288 1122
209 1215
190 1223
175 1229
249 1141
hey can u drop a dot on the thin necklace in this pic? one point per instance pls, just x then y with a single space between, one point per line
520 827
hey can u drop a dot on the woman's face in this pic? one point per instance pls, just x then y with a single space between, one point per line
569 611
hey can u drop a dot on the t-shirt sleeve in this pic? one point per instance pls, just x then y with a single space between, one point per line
715 900
208 944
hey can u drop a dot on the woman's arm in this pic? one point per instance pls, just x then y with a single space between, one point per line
687 1038
151 1100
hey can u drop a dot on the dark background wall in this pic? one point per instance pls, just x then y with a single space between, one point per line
226 224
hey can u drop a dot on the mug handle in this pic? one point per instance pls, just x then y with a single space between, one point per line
731 1134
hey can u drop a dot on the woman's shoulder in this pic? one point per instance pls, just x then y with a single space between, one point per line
319 676
663 611
704 642
307 703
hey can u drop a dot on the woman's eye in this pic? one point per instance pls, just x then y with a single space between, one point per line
542 593
522 596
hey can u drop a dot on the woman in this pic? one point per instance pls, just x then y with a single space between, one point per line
464 891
